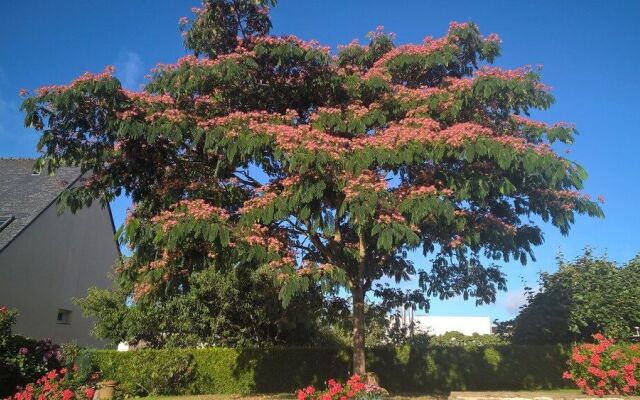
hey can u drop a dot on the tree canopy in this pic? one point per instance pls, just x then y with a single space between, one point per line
319 167
232 308
586 296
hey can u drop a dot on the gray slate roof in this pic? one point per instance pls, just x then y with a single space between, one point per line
24 195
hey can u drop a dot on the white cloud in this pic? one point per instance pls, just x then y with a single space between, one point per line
513 300
129 69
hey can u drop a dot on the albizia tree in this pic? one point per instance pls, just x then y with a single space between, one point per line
319 167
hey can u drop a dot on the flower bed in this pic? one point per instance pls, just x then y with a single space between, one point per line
61 384
355 388
604 367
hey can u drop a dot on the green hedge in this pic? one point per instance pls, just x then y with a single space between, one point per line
401 370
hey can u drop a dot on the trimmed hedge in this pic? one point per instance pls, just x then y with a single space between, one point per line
400 369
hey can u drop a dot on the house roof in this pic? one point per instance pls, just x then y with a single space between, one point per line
24 195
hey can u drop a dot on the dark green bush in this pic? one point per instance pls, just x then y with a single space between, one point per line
425 369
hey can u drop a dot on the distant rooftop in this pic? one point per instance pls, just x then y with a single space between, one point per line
24 195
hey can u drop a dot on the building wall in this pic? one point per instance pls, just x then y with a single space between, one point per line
53 260
438 325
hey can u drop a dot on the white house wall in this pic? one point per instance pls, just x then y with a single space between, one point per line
438 325
53 260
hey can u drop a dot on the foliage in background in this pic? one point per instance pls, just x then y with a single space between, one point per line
151 373
273 153
604 368
22 360
233 307
583 297
454 338
402 369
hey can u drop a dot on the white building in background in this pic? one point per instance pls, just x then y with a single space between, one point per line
47 259
439 325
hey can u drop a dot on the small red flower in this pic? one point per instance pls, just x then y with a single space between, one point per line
579 358
89 393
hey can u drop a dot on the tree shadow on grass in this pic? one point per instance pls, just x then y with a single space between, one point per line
409 369
279 370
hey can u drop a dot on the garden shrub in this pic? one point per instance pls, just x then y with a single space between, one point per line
148 372
604 367
405 369
22 360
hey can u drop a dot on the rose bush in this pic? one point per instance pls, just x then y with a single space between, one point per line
604 367
355 388
60 384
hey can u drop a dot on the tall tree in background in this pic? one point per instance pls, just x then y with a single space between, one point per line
585 296
314 167
233 307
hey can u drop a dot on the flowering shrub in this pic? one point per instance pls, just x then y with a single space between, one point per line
604 367
22 360
353 389
62 384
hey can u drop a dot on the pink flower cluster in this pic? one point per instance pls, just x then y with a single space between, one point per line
197 208
524 121
365 181
456 242
251 118
86 77
429 46
518 74
453 25
290 138
492 37
408 191
289 39
355 43
490 221
257 202
564 199
142 289
392 217
193 61
397 134
260 235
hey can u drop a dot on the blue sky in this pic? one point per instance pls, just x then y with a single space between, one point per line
589 50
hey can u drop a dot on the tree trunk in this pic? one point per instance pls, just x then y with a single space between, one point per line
357 293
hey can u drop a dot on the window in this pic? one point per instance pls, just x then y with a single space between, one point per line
64 317
5 220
